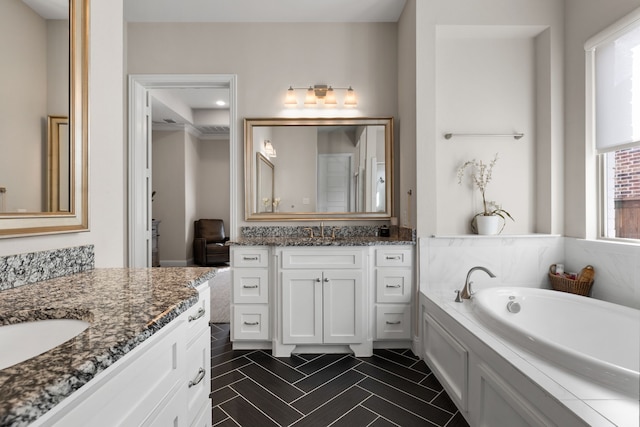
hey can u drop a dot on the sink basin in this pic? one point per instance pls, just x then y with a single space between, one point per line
23 341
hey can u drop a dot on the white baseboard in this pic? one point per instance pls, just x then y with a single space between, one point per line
172 263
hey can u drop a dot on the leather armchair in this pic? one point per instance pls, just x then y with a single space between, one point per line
209 243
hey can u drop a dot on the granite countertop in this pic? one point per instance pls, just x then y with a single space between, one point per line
320 241
124 308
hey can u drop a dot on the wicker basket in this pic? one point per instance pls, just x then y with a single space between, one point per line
581 285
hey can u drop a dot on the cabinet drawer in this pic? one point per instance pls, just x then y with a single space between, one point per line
198 316
135 388
250 322
394 257
250 257
393 285
250 285
393 321
316 258
198 373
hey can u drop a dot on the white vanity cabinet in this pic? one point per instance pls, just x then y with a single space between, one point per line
323 298
250 294
164 381
394 290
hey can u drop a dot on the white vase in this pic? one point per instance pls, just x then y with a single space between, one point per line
488 225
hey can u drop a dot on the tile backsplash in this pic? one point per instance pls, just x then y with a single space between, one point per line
23 269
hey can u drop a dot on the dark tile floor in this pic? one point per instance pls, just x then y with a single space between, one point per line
392 388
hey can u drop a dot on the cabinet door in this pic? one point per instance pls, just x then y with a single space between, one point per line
343 299
302 307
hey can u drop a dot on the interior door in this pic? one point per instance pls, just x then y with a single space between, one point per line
334 183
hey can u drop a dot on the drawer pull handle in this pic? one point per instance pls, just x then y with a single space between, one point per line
393 286
199 314
249 286
397 257
198 378
394 323
252 323
249 258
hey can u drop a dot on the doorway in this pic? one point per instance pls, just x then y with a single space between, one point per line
140 154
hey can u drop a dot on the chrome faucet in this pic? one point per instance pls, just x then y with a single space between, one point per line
465 292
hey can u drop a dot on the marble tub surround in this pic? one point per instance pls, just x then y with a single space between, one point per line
353 235
23 269
124 307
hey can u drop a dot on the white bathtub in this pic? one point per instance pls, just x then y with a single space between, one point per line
594 338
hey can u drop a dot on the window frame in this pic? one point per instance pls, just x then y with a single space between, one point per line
625 24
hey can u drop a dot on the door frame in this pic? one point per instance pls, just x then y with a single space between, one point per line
139 153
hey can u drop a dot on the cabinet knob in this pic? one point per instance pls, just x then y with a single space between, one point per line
326 279
318 279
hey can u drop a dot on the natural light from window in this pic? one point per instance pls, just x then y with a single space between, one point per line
617 131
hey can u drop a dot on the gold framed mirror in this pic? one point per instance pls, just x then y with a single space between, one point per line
44 179
323 168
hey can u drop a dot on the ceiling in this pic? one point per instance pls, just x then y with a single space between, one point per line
263 10
167 104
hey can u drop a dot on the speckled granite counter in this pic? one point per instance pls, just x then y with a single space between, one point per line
319 241
124 307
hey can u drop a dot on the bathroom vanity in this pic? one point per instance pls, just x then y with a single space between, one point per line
145 357
310 295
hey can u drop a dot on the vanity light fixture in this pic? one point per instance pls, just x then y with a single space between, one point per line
320 95
268 149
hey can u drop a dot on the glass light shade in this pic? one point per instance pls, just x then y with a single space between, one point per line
350 98
330 98
268 149
310 99
291 99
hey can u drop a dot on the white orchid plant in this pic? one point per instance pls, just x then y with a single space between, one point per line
481 174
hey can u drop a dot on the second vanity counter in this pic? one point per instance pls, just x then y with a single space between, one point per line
295 293
321 241
123 306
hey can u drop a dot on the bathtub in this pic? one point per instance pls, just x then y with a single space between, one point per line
593 338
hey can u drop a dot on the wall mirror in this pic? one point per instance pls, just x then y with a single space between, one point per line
44 137
321 168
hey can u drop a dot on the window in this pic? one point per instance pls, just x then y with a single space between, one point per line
613 61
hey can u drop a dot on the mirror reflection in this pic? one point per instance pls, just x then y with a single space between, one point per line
35 86
44 112
321 168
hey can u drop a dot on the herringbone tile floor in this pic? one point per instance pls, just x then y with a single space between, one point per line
392 388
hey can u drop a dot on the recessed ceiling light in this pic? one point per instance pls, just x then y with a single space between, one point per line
221 103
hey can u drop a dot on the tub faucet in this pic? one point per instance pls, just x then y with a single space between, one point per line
465 292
